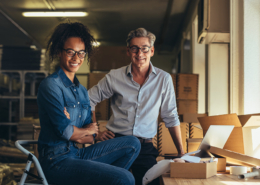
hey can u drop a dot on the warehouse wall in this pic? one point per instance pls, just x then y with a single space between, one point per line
251 56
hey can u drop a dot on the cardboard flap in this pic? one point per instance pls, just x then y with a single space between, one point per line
227 119
235 158
250 120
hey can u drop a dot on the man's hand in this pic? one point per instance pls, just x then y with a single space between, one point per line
106 135
92 128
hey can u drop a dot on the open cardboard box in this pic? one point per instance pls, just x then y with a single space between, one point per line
217 135
193 170
245 137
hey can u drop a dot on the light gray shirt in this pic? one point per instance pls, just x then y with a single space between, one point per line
136 108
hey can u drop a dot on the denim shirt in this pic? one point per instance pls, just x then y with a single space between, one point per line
56 92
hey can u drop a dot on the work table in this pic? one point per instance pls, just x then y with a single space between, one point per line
219 179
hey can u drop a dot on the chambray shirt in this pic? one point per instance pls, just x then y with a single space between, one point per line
135 108
56 92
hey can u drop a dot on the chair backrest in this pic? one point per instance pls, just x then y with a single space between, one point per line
31 158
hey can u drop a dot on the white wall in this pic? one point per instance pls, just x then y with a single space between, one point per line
251 56
198 58
218 79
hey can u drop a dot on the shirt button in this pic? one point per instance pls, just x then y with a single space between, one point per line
79 115
78 102
74 106
138 104
74 89
137 116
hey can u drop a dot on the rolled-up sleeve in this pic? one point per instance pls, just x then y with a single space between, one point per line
101 91
50 102
169 112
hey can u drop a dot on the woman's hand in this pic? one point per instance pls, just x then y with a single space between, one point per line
66 113
92 128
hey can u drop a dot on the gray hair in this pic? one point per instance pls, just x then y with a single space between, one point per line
140 32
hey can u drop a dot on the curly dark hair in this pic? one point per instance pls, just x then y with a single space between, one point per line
66 30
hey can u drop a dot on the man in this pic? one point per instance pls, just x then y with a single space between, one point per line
138 92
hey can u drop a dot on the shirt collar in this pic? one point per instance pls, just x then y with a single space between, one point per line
129 69
66 81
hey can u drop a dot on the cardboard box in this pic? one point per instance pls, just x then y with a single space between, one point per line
187 86
102 125
165 143
244 136
193 170
195 130
191 117
174 81
94 78
187 106
193 144
106 58
221 163
235 158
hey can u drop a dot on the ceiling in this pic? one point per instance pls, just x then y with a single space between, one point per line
109 20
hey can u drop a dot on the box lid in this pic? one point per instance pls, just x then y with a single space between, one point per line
235 158
249 120
226 119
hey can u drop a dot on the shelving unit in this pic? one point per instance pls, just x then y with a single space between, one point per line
22 76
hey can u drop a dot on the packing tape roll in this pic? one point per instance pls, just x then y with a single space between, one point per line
238 170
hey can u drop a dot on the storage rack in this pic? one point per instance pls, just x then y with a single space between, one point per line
23 76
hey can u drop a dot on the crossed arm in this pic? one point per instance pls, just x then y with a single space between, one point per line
83 135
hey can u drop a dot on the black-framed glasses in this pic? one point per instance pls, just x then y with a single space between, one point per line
71 53
135 49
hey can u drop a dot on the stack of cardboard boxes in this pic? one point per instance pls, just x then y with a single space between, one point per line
102 61
187 93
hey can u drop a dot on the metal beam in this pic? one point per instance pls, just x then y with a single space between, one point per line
20 28
164 25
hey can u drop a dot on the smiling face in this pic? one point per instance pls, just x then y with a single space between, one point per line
140 59
70 65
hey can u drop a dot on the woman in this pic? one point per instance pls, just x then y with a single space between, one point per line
61 160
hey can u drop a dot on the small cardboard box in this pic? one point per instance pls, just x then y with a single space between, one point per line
187 86
221 163
165 143
245 134
187 106
193 145
193 170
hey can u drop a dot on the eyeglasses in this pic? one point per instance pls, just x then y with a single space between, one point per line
71 53
135 49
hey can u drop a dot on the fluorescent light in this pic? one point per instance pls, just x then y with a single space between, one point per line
55 14
95 44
